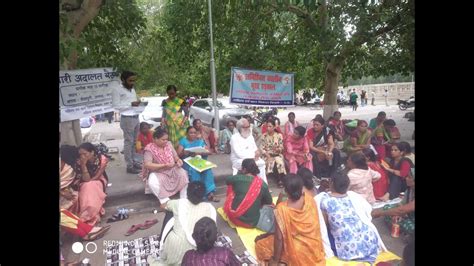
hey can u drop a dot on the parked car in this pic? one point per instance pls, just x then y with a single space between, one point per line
203 109
153 111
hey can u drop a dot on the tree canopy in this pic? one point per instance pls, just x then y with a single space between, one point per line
325 43
356 38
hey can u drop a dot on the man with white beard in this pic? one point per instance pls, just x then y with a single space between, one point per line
243 146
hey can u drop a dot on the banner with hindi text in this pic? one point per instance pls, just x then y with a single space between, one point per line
261 88
86 92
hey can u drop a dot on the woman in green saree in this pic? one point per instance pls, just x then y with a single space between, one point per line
359 140
173 119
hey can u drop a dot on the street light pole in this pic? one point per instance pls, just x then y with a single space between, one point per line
213 72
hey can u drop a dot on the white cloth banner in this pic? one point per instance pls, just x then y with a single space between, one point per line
86 92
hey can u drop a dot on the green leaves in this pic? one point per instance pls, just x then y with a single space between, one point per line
111 35
167 42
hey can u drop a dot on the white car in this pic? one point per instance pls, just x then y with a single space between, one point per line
203 109
153 111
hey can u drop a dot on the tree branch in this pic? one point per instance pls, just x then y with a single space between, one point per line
360 37
79 19
304 14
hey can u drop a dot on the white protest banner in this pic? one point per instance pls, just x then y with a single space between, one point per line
86 92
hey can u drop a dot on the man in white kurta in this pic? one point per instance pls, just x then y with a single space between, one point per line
243 146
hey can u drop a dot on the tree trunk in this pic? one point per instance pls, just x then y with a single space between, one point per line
331 82
70 133
78 18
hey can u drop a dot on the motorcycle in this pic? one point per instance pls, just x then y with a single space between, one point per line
343 102
404 104
103 149
262 117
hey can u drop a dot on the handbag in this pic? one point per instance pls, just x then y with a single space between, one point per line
266 222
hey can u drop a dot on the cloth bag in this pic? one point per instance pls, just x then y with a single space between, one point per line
267 219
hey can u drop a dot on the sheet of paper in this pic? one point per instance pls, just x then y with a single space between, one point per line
199 164
196 149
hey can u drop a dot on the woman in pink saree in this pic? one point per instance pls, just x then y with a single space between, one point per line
297 150
162 168
90 170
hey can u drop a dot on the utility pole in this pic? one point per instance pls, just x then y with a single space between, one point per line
213 72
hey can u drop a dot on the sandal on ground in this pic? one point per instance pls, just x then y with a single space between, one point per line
148 224
133 229
98 234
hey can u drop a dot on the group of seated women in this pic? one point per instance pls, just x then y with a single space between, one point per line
332 223
319 146
317 225
335 222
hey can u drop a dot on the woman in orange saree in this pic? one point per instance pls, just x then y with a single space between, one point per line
296 232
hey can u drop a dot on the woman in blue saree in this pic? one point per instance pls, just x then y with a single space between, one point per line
206 177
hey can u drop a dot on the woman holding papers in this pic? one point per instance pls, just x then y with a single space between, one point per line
206 176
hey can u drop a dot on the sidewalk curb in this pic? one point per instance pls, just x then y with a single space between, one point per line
138 195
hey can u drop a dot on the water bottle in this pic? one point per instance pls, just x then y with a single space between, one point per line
124 212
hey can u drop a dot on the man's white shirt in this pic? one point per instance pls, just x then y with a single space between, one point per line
122 99
241 149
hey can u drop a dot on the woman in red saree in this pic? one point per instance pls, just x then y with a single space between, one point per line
380 186
246 194
145 137
338 126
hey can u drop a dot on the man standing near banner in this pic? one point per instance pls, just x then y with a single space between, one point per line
124 99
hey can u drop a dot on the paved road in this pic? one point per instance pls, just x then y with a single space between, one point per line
126 190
